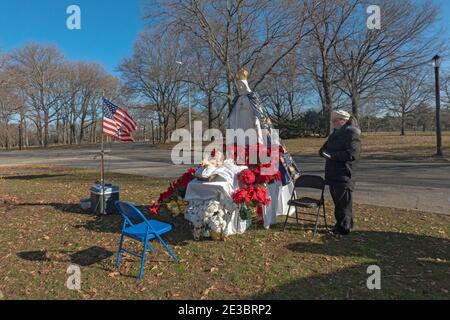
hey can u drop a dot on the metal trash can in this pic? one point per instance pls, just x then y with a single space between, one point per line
111 194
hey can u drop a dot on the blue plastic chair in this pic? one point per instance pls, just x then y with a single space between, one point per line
141 230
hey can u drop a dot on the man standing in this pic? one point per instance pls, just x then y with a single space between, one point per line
341 151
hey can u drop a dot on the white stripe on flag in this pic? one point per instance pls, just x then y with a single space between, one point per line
124 123
114 133
127 116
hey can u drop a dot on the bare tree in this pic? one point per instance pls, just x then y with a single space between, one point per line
153 75
285 90
256 34
405 94
446 90
328 19
62 99
38 70
205 75
9 105
365 58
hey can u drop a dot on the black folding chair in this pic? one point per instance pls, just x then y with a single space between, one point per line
308 182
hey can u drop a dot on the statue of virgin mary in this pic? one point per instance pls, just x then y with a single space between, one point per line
248 112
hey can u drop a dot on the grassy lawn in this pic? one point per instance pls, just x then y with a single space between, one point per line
43 231
381 145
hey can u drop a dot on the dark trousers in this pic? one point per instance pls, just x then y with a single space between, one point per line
343 203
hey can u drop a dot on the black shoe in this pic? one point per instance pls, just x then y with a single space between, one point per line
341 231
336 230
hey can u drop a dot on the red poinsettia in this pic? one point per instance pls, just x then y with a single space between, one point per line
185 179
249 154
166 195
260 195
154 209
176 188
258 171
241 196
254 195
247 177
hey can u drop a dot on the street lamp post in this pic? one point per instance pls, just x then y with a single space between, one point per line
189 107
436 64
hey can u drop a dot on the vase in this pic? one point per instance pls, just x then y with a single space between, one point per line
216 236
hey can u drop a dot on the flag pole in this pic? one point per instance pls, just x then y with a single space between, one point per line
102 165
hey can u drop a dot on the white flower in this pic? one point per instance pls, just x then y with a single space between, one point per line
208 214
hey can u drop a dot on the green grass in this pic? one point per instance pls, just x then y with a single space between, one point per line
43 231
381 145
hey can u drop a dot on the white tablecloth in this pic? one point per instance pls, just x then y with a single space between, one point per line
280 196
222 190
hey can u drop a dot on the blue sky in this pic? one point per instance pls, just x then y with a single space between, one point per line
109 27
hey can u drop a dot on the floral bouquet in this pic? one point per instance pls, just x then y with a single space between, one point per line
172 200
207 219
253 194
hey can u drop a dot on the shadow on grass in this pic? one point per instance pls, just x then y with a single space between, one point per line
84 258
63 207
69 208
34 177
412 266
90 256
38 256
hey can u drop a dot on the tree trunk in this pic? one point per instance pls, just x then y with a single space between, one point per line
229 93
20 137
25 133
153 133
6 135
46 136
81 135
210 106
402 129
166 130
355 104
328 102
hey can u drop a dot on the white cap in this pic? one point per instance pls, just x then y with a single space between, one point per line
340 114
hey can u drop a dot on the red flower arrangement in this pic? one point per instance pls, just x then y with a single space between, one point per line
175 192
185 179
258 171
252 195
254 180
251 154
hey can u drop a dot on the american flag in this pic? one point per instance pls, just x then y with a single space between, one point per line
117 123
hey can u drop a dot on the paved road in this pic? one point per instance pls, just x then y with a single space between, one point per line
402 184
